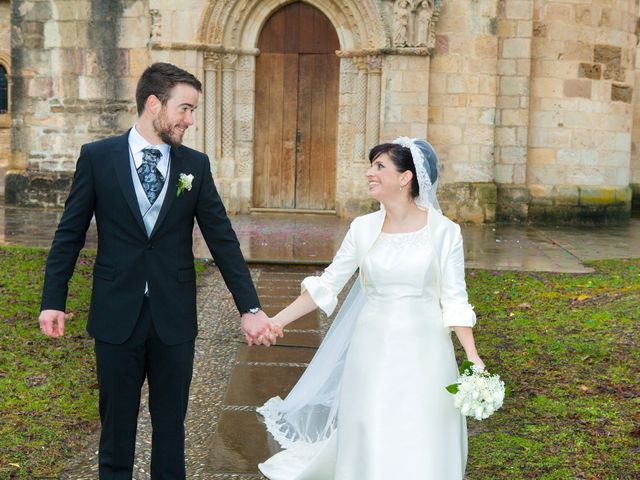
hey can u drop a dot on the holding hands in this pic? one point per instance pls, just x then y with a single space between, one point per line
262 330
259 329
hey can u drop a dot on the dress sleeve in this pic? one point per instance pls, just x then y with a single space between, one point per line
456 310
325 288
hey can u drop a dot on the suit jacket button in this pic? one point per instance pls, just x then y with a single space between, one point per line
149 246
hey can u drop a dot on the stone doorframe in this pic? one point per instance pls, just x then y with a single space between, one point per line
230 31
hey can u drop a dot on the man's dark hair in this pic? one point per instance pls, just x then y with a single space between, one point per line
159 79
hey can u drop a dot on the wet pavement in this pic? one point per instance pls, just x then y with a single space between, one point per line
313 240
225 437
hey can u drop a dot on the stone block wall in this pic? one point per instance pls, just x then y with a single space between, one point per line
462 103
5 118
529 103
74 69
582 80
634 181
514 30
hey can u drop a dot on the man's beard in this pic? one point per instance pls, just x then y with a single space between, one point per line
164 132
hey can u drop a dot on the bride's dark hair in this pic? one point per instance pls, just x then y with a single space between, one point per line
401 158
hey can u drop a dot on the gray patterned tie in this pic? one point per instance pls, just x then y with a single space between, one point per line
151 179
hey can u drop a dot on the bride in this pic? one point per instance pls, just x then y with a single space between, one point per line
372 404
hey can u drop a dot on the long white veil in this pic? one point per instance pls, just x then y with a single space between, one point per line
308 413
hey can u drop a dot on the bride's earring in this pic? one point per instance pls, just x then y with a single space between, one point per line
401 187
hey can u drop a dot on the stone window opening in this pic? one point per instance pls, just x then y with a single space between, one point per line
4 90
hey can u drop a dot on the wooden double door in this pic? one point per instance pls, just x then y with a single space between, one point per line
297 81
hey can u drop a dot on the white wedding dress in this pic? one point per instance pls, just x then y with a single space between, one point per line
395 419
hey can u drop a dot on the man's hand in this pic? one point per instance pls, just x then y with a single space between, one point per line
52 322
253 325
256 328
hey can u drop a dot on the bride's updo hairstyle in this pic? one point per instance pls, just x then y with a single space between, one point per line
401 158
403 161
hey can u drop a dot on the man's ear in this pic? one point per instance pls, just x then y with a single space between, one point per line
153 104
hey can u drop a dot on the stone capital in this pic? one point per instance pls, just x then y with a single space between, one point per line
229 60
374 63
212 60
360 63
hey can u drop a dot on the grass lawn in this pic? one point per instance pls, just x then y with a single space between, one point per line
48 391
568 345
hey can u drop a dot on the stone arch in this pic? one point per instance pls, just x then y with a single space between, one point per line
5 62
237 24
230 31
5 122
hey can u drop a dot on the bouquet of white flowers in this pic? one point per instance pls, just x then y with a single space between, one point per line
477 393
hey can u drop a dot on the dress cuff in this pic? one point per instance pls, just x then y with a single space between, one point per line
458 315
321 294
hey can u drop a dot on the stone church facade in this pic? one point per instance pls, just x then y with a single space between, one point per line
530 104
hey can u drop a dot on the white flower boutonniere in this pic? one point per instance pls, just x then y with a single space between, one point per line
184 183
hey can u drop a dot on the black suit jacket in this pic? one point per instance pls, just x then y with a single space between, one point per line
127 257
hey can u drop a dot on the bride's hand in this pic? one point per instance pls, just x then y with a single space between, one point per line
271 335
476 360
277 329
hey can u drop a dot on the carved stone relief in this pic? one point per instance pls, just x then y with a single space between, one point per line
156 24
414 23
226 22
422 24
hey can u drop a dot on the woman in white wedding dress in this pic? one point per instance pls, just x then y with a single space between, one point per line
372 405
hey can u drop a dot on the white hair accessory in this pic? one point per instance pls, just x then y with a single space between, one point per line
426 189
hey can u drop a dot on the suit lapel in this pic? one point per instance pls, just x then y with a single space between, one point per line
122 165
170 196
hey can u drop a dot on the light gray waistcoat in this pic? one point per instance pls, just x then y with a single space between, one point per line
149 212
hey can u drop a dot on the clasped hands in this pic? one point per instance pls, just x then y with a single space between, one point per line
259 329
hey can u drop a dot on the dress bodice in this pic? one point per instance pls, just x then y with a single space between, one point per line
400 265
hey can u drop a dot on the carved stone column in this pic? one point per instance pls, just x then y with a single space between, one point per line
212 63
373 100
228 77
360 110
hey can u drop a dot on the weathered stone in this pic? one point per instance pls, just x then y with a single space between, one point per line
577 88
590 70
442 44
607 54
567 195
615 72
470 97
513 204
578 215
540 29
484 192
597 195
635 196
621 93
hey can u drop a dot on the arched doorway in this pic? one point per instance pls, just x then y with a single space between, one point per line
296 116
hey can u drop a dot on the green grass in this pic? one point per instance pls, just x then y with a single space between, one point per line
48 389
48 395
566 344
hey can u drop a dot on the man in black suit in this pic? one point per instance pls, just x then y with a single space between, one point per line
145 189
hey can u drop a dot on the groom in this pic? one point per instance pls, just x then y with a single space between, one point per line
143 307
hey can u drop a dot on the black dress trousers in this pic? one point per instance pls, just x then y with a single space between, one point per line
121 370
